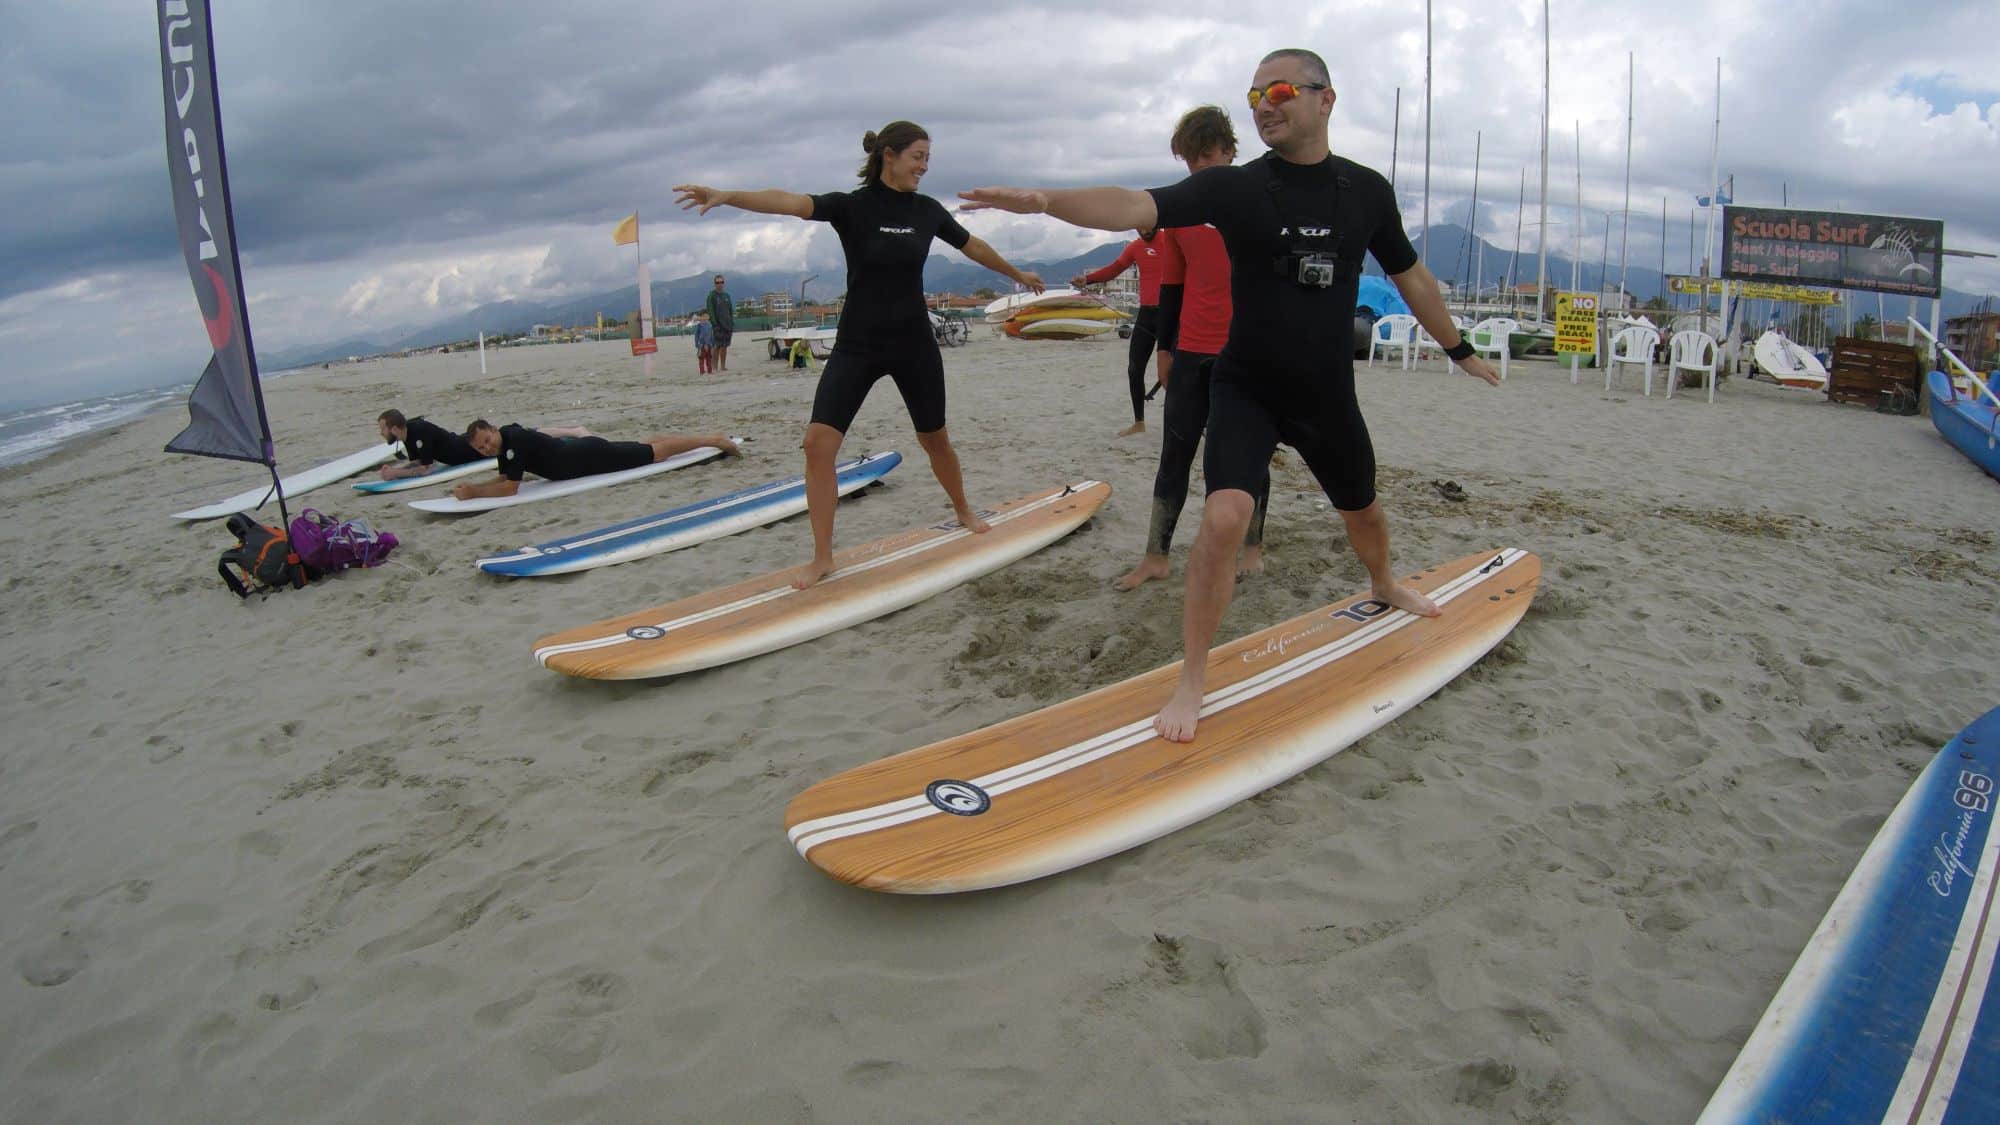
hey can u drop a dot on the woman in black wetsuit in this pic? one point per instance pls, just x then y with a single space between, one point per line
885 230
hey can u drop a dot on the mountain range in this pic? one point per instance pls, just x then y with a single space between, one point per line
1452 250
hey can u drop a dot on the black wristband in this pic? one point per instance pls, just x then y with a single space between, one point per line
1461 351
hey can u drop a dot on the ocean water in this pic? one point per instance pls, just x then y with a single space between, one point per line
41 430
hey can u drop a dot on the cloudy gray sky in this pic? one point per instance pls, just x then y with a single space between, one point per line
393 164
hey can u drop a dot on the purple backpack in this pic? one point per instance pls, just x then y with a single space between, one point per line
329 545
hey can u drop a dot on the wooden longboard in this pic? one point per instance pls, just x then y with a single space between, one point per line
1052 790
764 614
1892 1012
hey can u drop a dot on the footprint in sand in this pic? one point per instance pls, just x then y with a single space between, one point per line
566 1021
53 962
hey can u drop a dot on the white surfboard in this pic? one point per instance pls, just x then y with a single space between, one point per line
1065 328
535 490
298 484
439 475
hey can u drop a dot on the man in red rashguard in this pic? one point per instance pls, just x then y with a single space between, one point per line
1194 324
1144 253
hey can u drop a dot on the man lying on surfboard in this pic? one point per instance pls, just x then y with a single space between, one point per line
426 445
1296 223
521 451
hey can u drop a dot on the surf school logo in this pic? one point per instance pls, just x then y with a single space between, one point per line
1975 795
959 798
645 632
898 230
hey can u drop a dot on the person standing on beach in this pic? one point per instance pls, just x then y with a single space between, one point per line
1195 313
1296 222
426 445
885 230
722 320
1143 253
704 343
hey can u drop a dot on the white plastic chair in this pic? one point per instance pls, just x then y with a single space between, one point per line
1428 343
1632 345
1691 351
1491 337
1397 330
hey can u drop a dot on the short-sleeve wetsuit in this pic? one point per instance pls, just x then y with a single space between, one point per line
425 442
1287 371
885 329
524 450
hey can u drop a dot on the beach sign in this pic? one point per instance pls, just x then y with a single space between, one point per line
1576 328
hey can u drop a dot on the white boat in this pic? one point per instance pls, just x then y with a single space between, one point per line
1787 363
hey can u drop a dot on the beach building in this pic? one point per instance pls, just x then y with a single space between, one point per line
1974 338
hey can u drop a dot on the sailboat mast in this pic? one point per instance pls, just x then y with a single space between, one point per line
1576 239
1542 229
1520 212
1395 138
1625 238
1425 256
1477 138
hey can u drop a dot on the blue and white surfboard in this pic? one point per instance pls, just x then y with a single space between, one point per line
682 527
1892 1013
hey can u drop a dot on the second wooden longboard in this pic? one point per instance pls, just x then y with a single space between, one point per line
764 614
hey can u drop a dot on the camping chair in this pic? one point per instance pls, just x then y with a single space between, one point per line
1695 351
1397 330
1632 345
1493 336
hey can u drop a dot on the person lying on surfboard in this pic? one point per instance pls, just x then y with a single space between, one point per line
885 230
521 451
426 445
1296 223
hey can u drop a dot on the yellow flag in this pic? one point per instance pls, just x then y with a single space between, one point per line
627 232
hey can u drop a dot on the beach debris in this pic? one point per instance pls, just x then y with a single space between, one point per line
1450 489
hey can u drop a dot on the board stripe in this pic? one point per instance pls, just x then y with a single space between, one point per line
542 655
1939 1052
810 834
747 498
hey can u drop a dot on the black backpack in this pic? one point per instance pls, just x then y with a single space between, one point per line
265 557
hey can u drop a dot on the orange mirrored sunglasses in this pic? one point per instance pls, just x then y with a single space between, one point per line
1281 92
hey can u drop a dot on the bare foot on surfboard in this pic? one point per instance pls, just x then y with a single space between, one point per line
971 522
1407 597
1176 720
810 574
1149 568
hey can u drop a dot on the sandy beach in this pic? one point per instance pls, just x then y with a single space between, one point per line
349 854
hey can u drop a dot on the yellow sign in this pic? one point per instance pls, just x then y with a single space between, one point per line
1576 323
1758 291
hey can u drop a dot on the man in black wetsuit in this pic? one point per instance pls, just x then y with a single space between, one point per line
521 450
885 230
1296 223
426 445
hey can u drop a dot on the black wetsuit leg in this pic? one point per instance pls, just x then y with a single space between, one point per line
589 456
1145 335
1187 416
850 374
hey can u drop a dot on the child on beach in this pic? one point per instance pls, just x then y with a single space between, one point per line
704 343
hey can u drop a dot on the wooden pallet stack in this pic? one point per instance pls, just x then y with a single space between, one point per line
1865 370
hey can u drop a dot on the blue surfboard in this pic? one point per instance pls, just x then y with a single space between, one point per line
684 526
1892 1012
